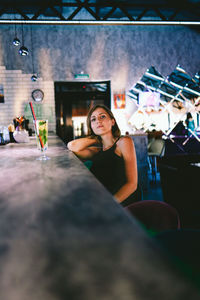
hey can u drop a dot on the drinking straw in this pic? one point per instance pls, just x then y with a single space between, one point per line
34 117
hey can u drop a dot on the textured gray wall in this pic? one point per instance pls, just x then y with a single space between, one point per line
118 53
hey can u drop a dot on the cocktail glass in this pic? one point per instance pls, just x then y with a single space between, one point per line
41 133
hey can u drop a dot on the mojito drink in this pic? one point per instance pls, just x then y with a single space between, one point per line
42 134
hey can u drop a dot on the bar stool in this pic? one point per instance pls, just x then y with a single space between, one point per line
156 149
155 215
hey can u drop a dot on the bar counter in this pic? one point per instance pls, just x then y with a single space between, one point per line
63 236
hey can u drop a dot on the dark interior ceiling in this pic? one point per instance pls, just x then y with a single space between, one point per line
100 10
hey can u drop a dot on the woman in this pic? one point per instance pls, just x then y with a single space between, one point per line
113 156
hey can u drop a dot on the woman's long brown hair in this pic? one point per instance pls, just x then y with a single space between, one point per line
115 129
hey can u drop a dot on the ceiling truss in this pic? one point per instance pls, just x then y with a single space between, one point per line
100 10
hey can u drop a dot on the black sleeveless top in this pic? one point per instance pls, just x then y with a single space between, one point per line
109 169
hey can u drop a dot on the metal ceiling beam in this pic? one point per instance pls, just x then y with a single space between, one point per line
60 10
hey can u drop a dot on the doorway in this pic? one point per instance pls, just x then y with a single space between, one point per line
73 101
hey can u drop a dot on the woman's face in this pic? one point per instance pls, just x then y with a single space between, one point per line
101 122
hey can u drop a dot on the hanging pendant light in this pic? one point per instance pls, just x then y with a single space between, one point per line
23 51
34 77
16 42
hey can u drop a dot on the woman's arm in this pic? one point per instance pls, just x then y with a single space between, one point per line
82 147
127 149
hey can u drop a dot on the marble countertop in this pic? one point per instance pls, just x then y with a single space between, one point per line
63 236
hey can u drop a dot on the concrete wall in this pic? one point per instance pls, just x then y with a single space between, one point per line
117 53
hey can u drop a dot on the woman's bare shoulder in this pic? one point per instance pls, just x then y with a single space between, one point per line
124 145
124 141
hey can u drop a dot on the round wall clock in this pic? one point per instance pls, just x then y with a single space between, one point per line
37 95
